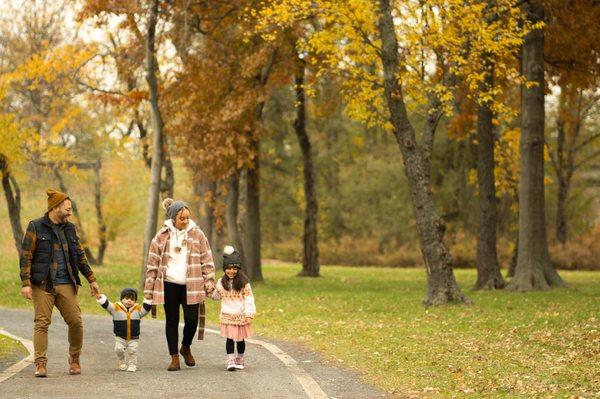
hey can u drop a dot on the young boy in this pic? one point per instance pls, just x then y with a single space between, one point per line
126 325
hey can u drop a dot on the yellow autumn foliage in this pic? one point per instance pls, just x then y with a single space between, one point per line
50 76
442 43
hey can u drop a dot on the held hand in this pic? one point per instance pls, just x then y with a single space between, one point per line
95 289
26 293
209 288
148 296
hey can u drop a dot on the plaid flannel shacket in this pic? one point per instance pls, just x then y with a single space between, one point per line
200 266
28 249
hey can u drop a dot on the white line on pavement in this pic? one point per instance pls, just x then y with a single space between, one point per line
310 386
312 389
15 368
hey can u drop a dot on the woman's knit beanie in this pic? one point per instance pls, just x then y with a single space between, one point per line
173 207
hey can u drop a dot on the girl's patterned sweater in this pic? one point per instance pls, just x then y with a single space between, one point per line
235 305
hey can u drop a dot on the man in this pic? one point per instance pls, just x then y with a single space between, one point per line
51 260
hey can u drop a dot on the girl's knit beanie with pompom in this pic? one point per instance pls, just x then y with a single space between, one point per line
231 258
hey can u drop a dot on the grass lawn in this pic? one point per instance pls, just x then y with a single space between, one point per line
541 344
11 351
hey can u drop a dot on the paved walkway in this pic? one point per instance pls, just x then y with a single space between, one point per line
270 372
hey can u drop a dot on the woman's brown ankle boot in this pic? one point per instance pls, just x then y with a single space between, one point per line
174 366
187 356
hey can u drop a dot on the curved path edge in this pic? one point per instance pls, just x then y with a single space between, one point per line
17 367
311 387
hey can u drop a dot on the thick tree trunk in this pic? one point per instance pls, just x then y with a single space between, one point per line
488 268
252 236
533 270
157 142
310 258
102 234
441 284
78 222
233 231
12 193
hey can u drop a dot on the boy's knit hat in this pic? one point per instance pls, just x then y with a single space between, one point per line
55 198
231 258
129 292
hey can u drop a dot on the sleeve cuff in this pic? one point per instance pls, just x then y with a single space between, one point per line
91 278
26 283
148 301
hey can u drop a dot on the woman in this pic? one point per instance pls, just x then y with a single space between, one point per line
180 272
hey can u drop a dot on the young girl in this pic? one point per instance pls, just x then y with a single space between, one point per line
237 307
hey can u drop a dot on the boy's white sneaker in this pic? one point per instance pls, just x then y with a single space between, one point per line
239 362
231 363
122 366
132 367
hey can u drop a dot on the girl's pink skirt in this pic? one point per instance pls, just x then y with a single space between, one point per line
236 333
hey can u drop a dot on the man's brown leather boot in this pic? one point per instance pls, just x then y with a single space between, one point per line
40 370
187 356
74 367
174 366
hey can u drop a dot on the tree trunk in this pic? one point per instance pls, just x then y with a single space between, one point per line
218 232
143 139
561 211
13 202
513 260
233 195
203 190
103 242
252 236
533 270
80 231
167 184
441 284
563 162
488 268
310 258
157 142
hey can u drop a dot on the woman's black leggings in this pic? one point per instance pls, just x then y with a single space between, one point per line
241 346
175 295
